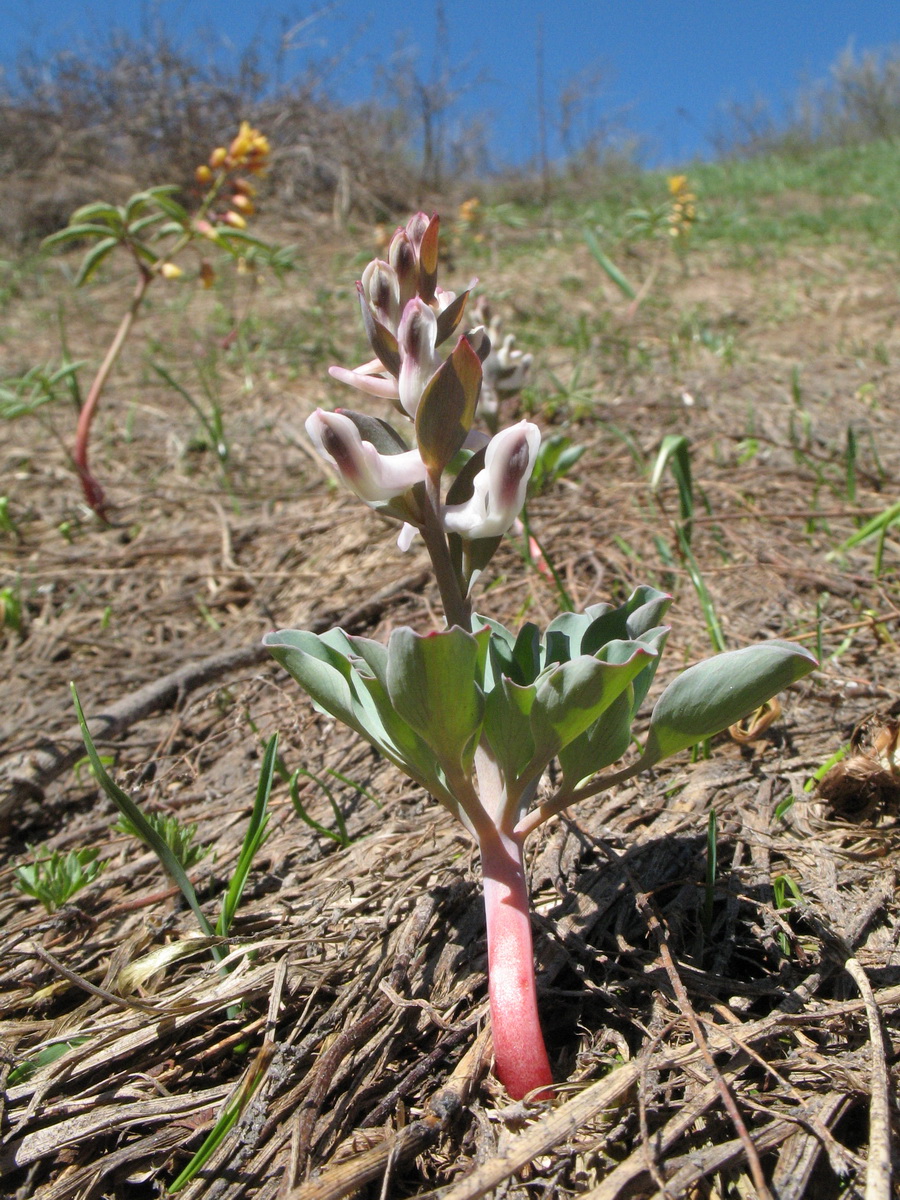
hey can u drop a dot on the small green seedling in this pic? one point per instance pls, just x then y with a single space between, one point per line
180 838
55 878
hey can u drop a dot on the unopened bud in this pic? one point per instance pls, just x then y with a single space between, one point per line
217 158
243 204
207 274
170 270
235 220
203 174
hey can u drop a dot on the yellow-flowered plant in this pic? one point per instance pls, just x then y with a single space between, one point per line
156 229
682 208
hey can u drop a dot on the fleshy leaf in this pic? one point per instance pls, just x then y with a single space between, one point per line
447 408
507 724
570 697
716 693
346 679
601 744
432 682
643 610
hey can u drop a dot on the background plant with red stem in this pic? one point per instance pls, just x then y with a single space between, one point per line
155 229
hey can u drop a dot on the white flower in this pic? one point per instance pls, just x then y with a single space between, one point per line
374 477
499 488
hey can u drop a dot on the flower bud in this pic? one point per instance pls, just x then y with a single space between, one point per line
417 338
381 289
235 220
170 270
203 174
243 204
217 158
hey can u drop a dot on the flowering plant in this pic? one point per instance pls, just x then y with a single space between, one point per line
475 712
155 228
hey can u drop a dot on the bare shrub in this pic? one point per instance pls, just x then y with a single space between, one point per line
858 101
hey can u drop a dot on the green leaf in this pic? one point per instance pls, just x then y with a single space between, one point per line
643 610
253 839
94 258
129 809
75 233
716 693
601 744
447 408
433 685
228 233
170 207
323 672
99 210
676 448
609 266
345 678
136 228
507 725
572 696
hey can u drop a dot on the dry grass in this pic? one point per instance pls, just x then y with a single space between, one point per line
701 1049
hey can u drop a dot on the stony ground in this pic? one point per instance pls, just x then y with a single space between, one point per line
714 1019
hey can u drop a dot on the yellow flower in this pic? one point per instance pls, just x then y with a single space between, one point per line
250 149
169 270
677 183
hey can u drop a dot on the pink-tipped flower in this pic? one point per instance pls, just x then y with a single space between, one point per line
417 339
374 477
369 379
499 488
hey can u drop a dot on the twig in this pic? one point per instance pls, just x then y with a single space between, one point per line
657 926
27 775
348 1177
878 1164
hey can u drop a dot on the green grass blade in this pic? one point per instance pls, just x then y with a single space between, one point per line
227 1120
129 809
609 266
253 839
713 628
341 836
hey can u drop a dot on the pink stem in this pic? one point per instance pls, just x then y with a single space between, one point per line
93 492
520 1056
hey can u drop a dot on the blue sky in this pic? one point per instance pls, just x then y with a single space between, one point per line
671 68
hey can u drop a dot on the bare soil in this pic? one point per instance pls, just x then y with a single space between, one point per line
702 1019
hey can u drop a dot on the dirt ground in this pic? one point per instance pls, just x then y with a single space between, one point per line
714 1026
